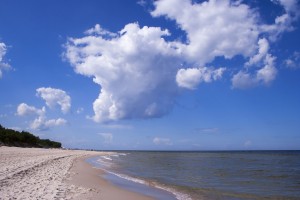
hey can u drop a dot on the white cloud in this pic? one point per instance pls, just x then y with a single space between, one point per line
268 73
117 126
213 28
142 3
136 72
265 73
55 97
52 97
79 110
210 35
208 130
2 51
190 78
162 141
248 143
108 137
41 123
243 80
290 63
293 62
139 71
3 115
24 109
263 45
98 30
262 76
3 65
284 22
291 6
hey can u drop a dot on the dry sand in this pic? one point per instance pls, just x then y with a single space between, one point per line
33 173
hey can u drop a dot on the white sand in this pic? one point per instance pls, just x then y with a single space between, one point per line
32 173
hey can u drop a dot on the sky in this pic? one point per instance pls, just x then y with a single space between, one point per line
152 75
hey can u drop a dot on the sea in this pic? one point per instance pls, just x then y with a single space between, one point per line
228 175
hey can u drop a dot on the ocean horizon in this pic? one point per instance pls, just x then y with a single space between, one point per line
189 175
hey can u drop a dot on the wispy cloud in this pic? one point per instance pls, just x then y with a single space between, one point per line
117 126
108 137
162 141
3 65
79 110
293 62
207 130
247 143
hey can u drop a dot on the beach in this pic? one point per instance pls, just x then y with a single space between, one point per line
34 173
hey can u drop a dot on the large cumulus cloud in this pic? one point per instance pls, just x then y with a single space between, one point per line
140 71
135 70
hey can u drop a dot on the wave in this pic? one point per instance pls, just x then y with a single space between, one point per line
178 195
105 163
106 157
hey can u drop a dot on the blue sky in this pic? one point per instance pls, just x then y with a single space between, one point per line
169 74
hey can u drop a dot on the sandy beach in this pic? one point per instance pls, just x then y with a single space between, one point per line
33 173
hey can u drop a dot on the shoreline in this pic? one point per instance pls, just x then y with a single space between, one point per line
133 184
84 175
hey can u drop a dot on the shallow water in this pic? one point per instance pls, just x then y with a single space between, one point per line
211 175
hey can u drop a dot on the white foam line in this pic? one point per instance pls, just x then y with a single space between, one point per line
178 195
106 157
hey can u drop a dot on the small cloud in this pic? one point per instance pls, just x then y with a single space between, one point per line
248 143
55 97
42 124
142 3
243 80
108 137
24 109
162 141
3 65
208 130
293 62
117 126
79 110
98 30
3 115
263 76
190 78
263 48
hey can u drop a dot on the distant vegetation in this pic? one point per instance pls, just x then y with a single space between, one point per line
11 137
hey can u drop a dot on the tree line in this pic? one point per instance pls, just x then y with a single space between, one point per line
9 137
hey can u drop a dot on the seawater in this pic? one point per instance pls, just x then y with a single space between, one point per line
228 175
